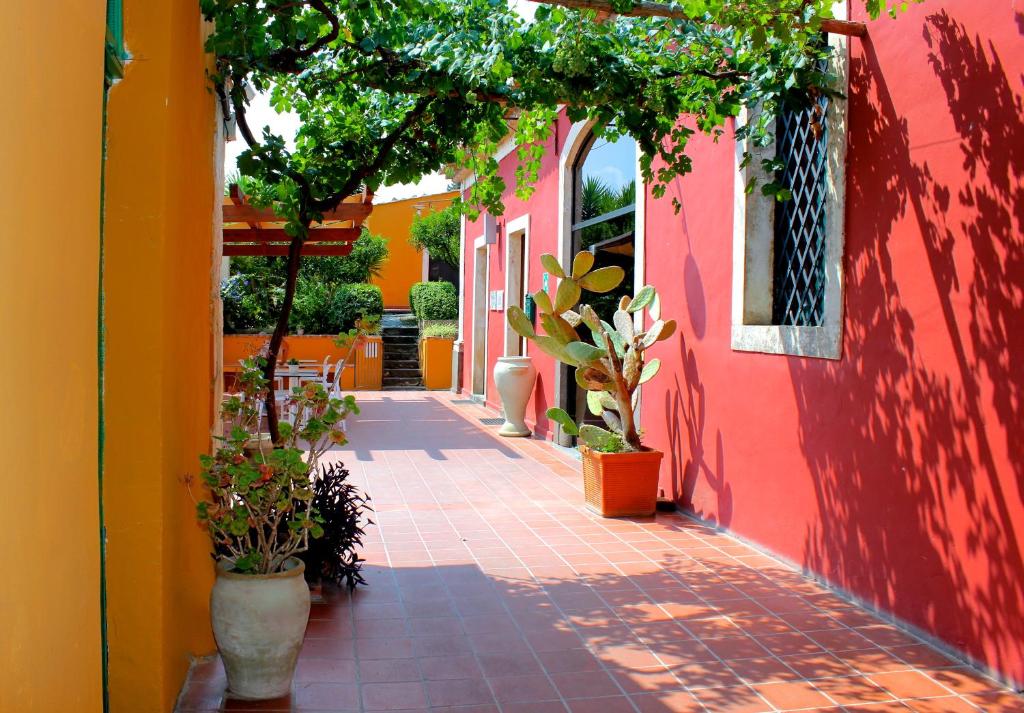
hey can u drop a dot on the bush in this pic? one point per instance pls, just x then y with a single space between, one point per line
334 557
414 295
446 330
251 303
354 301
312 311
438 234
434 300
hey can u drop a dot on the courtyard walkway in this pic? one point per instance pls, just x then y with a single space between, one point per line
493 589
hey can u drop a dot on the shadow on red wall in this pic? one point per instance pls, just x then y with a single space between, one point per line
919 504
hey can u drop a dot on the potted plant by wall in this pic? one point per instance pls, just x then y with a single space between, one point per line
260 514
620 474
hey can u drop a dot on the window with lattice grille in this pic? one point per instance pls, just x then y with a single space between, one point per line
788 254
798 283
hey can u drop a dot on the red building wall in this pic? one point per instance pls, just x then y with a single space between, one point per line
897 472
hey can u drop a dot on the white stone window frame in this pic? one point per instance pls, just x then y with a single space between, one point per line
754 240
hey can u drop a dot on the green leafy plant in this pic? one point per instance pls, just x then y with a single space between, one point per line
438 234
434 300
342 509
354 302
414 295
260 511
445 330
611 365
387 92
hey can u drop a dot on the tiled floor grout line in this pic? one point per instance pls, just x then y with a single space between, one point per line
625 623
620 619
768 652
842 626
584 644
476 560
419 533
529 561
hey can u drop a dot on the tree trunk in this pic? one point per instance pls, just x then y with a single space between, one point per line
294 262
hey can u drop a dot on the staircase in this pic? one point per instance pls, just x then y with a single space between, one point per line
401 356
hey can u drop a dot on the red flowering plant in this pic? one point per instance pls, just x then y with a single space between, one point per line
260 510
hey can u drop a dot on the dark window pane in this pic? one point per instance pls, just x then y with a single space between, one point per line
799 276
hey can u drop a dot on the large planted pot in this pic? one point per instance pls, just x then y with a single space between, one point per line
259 621
514 377
621 484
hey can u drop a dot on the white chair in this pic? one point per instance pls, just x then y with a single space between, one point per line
325 375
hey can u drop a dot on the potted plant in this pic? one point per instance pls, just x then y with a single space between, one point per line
260 514
620 474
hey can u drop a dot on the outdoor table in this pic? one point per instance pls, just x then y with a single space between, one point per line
293 374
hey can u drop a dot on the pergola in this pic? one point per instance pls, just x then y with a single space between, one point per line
249 230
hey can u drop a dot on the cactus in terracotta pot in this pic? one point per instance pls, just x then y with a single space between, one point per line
610 359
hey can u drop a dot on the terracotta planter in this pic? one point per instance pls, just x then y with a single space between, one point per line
514 377
259 622
621 484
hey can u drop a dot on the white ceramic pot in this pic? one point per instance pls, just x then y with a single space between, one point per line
514 377
259 622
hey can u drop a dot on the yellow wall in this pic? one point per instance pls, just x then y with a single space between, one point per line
160 373
49 259
405 264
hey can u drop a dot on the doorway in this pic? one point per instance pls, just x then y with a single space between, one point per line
517 255
480 321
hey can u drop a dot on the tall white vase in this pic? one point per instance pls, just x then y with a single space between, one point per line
514 377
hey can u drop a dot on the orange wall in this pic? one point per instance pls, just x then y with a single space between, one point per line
405 263
160 373
51 147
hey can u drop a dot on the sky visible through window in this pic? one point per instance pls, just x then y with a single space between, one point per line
612 162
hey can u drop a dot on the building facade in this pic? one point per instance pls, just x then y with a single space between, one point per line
844 387
107 283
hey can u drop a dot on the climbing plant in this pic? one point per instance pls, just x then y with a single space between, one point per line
389 90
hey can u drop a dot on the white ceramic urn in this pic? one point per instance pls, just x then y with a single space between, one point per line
259 622
514 377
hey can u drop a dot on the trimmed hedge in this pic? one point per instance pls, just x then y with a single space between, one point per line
414 295
356 300
434 300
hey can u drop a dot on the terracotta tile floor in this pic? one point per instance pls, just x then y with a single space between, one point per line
492 589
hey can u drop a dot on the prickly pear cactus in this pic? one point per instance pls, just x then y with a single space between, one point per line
609 358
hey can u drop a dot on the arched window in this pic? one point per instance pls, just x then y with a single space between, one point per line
604 210
604 221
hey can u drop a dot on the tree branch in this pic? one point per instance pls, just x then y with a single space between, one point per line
383 152
287 59
647 8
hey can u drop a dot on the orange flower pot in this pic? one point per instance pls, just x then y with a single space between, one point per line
621 484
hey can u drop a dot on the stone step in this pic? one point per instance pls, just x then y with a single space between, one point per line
402 364
404 387
401 382
401 373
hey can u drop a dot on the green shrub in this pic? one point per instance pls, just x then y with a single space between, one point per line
414 293
251 303
354 301
438 234
313 311
435 300
447 330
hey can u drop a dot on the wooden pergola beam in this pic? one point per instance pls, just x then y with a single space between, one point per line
246 213
647 8
277 235
336 249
